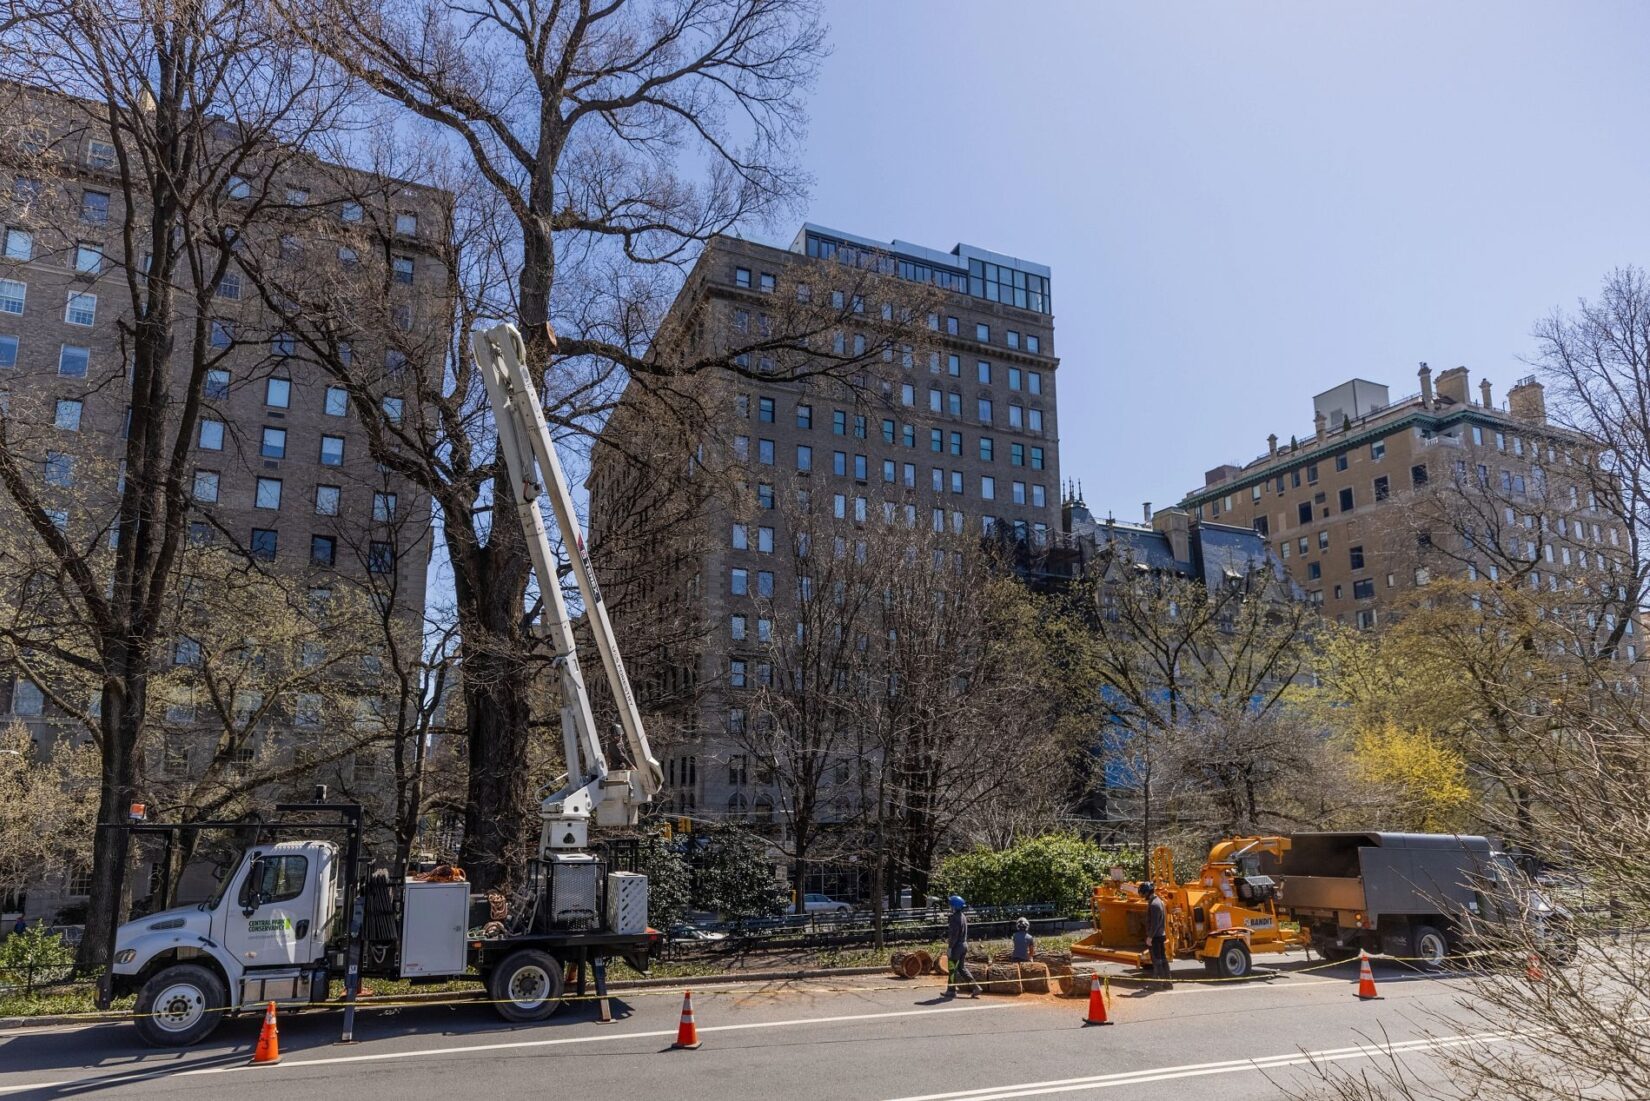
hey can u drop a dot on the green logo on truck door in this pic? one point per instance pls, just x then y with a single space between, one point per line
269 927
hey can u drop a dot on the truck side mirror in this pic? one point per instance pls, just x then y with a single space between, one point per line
252 893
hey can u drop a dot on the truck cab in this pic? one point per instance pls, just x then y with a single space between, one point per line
261 937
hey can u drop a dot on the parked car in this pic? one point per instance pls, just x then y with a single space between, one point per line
686 931
824 904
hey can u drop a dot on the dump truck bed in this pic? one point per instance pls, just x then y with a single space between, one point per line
1382 873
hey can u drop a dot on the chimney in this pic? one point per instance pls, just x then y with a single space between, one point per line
1146 511
1272 445
1176 524
1527 400
1426 386
1321 423
1484 389
1452 385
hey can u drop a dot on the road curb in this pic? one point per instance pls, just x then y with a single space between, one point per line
460 996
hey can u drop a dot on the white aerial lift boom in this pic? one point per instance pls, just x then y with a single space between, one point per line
613 796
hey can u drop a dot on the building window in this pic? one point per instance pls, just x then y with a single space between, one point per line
211 435
1418 475
264 543
1382 489
984 373
1377 450
274 443
406 222
67 414
988 488
985 410
12 295
217 383
221 333
267 494
337 401
81 308
1363 589
73 361
380 557
350 211
741 277
861 468
59 469
327 499
206 486
804 458
982 332
1303 512
764 452
383 507
766 283
403 269
8 352
1346 499
19 244
393 409
804 416
739 582
1356 557
94 208
278 393
1340 461
27 700
332 451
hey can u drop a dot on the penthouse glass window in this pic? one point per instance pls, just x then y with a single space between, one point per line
998 283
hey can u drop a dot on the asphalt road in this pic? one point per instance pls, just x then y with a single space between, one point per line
875 1038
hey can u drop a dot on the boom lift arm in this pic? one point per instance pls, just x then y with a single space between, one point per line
614 796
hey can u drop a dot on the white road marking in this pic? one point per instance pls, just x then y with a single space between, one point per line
1199 1070
605 1037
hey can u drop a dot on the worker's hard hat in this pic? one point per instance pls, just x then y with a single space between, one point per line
957 902
1148 887
1022 923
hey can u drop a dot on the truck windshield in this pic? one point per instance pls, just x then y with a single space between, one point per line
212 901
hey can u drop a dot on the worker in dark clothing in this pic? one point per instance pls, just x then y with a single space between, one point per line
1025 945
1157 930
956 950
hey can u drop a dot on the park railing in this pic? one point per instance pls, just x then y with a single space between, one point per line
857 928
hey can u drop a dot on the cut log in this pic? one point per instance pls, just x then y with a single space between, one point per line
1034 977
927 960
1003 978
1074 985
906 965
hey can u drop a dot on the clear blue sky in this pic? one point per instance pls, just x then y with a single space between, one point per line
1245 203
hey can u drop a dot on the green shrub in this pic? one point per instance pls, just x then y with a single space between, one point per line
34 957
1061 868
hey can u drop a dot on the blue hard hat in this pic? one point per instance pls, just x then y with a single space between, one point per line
957 902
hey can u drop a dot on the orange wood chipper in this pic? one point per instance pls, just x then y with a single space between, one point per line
1223 917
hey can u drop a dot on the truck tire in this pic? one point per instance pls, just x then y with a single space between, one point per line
180 1005
527 986
1234 960
1429 946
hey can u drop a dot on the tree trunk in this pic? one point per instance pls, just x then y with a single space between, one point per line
117 791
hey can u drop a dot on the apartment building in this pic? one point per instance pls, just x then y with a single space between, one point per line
1338 502
953 428
280 469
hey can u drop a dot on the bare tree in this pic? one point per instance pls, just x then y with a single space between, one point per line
199 106
1175 656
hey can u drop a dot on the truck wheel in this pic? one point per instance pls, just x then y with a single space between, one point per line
527 986
1233 961
180 1005
1429 946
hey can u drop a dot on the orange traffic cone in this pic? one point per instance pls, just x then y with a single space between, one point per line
268 1051
1532 969
1097 1004
687 1033
1366 979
